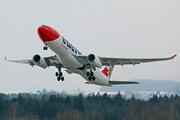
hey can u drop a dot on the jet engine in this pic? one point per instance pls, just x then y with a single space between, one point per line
94 60
39 61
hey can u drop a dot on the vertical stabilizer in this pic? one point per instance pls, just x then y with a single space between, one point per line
107 71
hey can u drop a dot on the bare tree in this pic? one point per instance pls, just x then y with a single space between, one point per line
14 106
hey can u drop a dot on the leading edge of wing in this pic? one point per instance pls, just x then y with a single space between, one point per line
27 61
122 82
19 61
122 61
140 59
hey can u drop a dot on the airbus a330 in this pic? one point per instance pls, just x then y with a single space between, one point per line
73 61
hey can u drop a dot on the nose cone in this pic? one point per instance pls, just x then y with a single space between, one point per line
47 33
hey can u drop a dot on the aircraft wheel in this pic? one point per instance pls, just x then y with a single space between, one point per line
45 48
58 78
92 73
89 78
62 78
87 73
56 74
93 78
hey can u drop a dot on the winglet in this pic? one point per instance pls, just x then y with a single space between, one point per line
172 57
5 58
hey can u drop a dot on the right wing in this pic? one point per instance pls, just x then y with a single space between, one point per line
50 61
122 61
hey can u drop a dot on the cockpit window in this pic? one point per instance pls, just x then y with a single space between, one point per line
44 26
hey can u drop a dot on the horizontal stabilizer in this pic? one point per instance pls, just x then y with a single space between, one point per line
88 82
122 82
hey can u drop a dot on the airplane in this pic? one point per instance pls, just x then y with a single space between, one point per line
73 61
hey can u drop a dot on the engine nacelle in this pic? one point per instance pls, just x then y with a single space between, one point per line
94 61
39 61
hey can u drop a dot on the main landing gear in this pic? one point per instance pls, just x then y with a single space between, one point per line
91 76
59 74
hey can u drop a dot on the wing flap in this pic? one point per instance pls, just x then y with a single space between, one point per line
51 60
129 61
122 82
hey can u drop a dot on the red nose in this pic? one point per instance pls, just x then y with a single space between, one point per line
47 33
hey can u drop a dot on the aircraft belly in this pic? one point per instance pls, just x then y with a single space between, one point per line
70 62
64 55
100 78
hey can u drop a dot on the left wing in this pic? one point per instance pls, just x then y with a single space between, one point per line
50 61
122 61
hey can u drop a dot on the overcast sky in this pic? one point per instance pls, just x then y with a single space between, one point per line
118 28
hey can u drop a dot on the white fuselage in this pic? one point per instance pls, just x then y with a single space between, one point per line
65 52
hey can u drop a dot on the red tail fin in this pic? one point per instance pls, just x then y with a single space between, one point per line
107 71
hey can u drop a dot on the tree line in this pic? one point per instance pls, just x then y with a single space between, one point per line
53 106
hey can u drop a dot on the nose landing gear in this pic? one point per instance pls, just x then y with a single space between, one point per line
45 48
